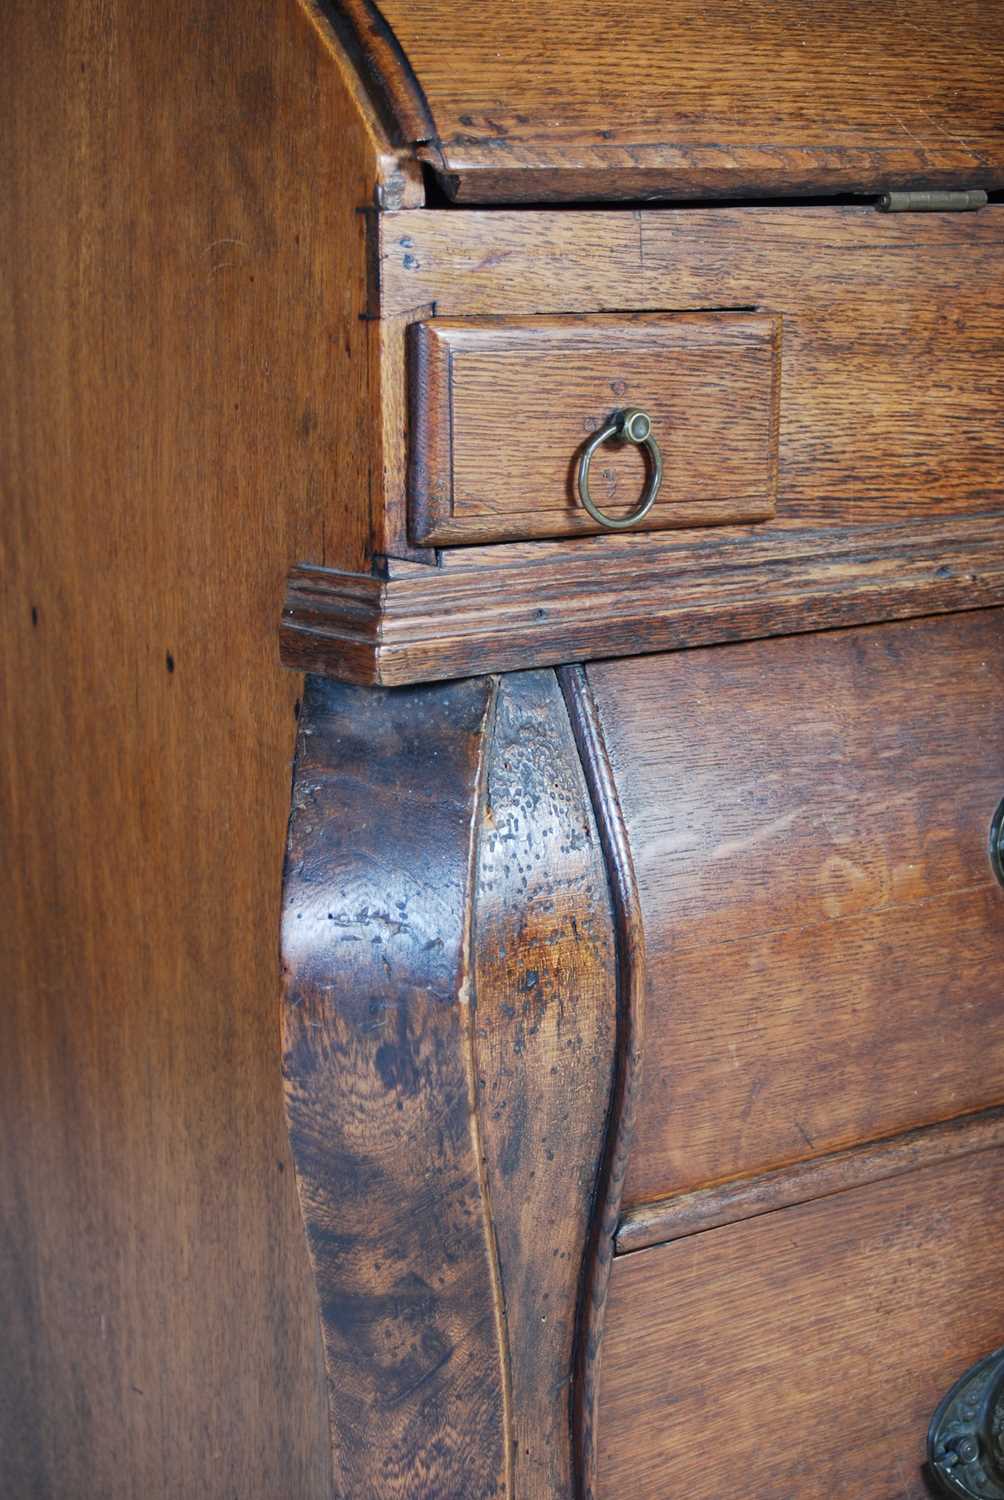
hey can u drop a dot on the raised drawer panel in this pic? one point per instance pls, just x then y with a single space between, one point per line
501 409
800 1356
809 821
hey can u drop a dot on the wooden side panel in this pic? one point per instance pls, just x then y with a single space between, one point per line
380 1086
183 266
802 1354
502 408
689 99
546 985
809 822
893 360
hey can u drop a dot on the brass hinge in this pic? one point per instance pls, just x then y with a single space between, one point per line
932 201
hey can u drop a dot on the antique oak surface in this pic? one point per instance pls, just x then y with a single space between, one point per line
891 388
892 342
684 99
605 1096
809 826
458 1080
168 299
492 462
817 1342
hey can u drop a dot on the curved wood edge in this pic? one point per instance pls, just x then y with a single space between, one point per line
380 1094
370 42
545 982
588 731
398 180
689 1213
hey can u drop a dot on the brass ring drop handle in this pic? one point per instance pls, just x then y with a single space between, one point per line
965 1442
631 425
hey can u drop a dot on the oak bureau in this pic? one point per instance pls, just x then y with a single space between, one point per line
550 460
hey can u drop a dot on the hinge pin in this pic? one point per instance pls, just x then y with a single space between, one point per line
933 201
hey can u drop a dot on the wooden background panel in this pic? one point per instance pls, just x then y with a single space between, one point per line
803 1353
892 372
180 180
809 824
590 100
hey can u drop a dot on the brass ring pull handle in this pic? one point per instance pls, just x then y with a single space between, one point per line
965 1442
628 426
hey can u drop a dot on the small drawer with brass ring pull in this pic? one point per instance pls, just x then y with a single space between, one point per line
570 425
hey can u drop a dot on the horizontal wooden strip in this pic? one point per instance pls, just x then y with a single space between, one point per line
663 260
570 601
748 1197
633 174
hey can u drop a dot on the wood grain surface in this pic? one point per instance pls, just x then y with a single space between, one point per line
690 1213
809 820
802 1354
893 351
545 977
501 411
499 608
183 276
381 1087
688 99
462 1033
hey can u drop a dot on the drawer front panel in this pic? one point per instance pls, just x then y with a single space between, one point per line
501 410
809 822
802 1354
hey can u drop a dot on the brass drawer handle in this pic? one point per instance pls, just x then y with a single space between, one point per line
630 425
965 1442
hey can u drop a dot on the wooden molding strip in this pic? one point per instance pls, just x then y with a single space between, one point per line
559 602
749 1197
630 937
374 49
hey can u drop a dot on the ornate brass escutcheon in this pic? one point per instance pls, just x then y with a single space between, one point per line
965 1441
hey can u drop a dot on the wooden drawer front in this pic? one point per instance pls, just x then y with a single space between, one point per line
502 408
802 1354
809 821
